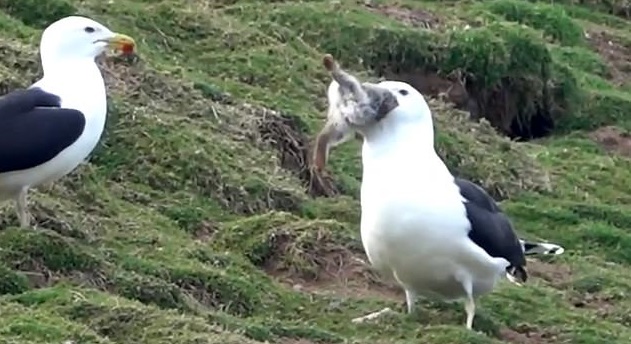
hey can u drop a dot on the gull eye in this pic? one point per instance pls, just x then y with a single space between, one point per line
89 29
403 92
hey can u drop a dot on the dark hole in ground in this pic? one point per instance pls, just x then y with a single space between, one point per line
500 106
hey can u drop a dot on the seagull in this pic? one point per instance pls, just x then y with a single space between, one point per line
49 128
436 235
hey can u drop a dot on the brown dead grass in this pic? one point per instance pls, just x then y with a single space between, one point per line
528 334
205 230
289 137
334 270
556 274
602 304
613 139
408 16
296 341
614 52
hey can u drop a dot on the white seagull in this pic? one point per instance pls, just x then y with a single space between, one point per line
48 129
435 234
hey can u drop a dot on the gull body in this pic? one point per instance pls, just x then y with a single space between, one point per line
414 224
50 128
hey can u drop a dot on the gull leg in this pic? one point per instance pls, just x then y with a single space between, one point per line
22 209
410 298
469 307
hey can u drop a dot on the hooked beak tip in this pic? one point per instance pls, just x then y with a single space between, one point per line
121 42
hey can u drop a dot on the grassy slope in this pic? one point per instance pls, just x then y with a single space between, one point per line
169 234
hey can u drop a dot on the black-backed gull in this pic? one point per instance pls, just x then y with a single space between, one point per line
435 234
48 129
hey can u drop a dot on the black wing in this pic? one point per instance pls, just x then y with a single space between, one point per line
34 128
490 227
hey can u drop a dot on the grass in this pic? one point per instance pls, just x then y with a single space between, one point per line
197 220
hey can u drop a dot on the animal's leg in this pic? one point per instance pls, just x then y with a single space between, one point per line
22 208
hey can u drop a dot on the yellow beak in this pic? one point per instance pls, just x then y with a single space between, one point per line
121 42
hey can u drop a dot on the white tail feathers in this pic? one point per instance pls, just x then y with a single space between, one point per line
531 248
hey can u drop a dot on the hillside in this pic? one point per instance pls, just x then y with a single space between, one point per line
197 219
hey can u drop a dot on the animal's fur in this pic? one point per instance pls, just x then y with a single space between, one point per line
352 105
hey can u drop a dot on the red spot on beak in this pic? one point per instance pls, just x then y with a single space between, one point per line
127 48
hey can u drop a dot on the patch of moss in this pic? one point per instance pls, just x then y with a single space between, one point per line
122 320
32 248
581 59
11 281
149 290
20 324
36 13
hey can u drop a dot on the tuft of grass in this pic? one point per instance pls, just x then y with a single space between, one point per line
37 14
549 18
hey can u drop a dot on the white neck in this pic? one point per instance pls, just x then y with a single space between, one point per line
398 153
78 82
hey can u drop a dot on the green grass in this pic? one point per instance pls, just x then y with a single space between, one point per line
196 221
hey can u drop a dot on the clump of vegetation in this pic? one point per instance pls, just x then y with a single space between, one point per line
551 19
615 7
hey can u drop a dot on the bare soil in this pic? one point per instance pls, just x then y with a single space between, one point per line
615 53
347 275
528 334
408 16
557 274
613 139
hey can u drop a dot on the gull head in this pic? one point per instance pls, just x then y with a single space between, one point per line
412 107
373 110
76 37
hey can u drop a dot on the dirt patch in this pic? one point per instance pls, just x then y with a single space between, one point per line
205 231
613 140
296 341
408 16
615 53
448 88
602 304
558 275
349 279
527 334
324 267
